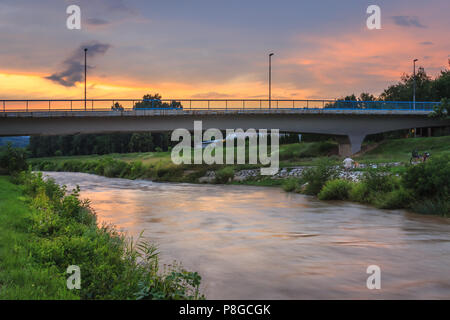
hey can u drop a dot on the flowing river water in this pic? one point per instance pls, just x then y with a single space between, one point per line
262 243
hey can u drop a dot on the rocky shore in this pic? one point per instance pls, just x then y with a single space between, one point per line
353 174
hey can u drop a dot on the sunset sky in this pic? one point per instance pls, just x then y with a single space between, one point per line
217 49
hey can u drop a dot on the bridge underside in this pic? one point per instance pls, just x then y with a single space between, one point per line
353 127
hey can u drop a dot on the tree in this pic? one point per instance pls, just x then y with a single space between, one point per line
351 97
154 101
13 159
149 101
441 110
366 97
117 107
403 91
141 142
441 86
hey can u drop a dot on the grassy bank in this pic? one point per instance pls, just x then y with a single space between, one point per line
44 230
295 154
399 150
21 276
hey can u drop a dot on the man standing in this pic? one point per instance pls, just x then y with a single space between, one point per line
348 163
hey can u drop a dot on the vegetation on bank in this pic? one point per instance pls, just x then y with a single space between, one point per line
423 188
44 229
158 166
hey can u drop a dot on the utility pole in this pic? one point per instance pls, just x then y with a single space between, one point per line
270 80
85 76
414 91
414 84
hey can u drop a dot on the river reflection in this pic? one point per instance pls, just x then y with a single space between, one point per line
263 243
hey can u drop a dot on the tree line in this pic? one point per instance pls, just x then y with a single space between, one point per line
85 144
427 89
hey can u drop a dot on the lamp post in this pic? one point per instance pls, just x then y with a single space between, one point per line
414 84
85 76
270 80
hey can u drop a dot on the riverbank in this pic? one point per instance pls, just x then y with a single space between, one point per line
44 230
233 234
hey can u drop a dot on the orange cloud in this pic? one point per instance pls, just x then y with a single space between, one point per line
348 59
35 86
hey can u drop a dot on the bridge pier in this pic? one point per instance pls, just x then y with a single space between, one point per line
350 144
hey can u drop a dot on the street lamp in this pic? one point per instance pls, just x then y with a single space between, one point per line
414 84
270 80
85 76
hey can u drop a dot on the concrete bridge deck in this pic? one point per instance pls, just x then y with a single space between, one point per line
351 120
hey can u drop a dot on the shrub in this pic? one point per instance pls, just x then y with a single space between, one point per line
65 233
317 176
13 159
137 170
224 175
434 205
396 199
337 189
114 168
290 185
429 179
359 193
378 181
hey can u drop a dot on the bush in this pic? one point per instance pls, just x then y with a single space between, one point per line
13 159
114 168
359 193
65 233
224 175
337 189
396 199
429 179
435 206
290 185
378 181
317 176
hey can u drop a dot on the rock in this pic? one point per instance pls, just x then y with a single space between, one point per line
209 177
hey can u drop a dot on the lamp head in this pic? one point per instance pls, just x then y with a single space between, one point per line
270 54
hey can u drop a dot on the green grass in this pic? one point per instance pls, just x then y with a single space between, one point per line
399 150
20 276
44 229
159 167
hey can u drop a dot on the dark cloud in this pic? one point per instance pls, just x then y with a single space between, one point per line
426 43
96 22
73 67
407 21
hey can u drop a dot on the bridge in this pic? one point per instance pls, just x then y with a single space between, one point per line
352 121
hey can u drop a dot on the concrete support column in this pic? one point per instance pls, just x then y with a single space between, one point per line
351 144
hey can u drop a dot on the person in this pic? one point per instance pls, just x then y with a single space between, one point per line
414 156
348 162
426 155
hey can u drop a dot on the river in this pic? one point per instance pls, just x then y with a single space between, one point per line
262 243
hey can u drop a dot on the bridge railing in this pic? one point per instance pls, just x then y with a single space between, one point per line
204 104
